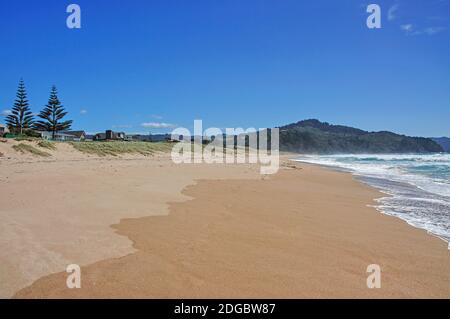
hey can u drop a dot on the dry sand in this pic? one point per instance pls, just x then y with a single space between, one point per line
301 233
59 211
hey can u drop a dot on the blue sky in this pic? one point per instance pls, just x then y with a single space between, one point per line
144 65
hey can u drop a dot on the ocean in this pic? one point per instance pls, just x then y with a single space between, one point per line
417 185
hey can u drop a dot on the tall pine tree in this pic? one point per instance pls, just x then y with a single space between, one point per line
21 117
52 116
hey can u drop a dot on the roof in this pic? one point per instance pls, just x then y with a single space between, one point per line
57 133
75 133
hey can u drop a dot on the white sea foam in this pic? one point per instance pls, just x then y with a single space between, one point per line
418 185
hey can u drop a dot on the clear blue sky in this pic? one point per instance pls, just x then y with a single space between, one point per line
252 63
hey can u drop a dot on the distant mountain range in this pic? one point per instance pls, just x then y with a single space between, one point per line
313 136
443 141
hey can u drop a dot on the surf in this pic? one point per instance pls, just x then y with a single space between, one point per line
417 186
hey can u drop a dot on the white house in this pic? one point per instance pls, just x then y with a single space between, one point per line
3 129
64 136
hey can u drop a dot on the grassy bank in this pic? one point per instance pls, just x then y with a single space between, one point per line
25 148
118 148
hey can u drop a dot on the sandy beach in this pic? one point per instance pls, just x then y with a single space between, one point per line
144 227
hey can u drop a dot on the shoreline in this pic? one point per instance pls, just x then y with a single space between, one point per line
187 274
360 179
408 223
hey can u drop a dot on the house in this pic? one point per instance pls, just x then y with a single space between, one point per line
109 136
74 136
99 137
3 129
59 136
79 135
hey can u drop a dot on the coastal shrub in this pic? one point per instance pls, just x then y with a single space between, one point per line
32 133
25 148
117 148
25 133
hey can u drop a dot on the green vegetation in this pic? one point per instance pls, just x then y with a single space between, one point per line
27 135
313 136
118 148
52 116
25 148
21 116
24 137
20 119
47 144
444 142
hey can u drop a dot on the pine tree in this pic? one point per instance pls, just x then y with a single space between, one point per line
21 117
52 116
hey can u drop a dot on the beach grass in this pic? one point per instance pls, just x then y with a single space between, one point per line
117 148
25 148
47 144
27 138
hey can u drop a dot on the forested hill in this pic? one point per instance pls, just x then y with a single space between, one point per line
313 136
444 142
